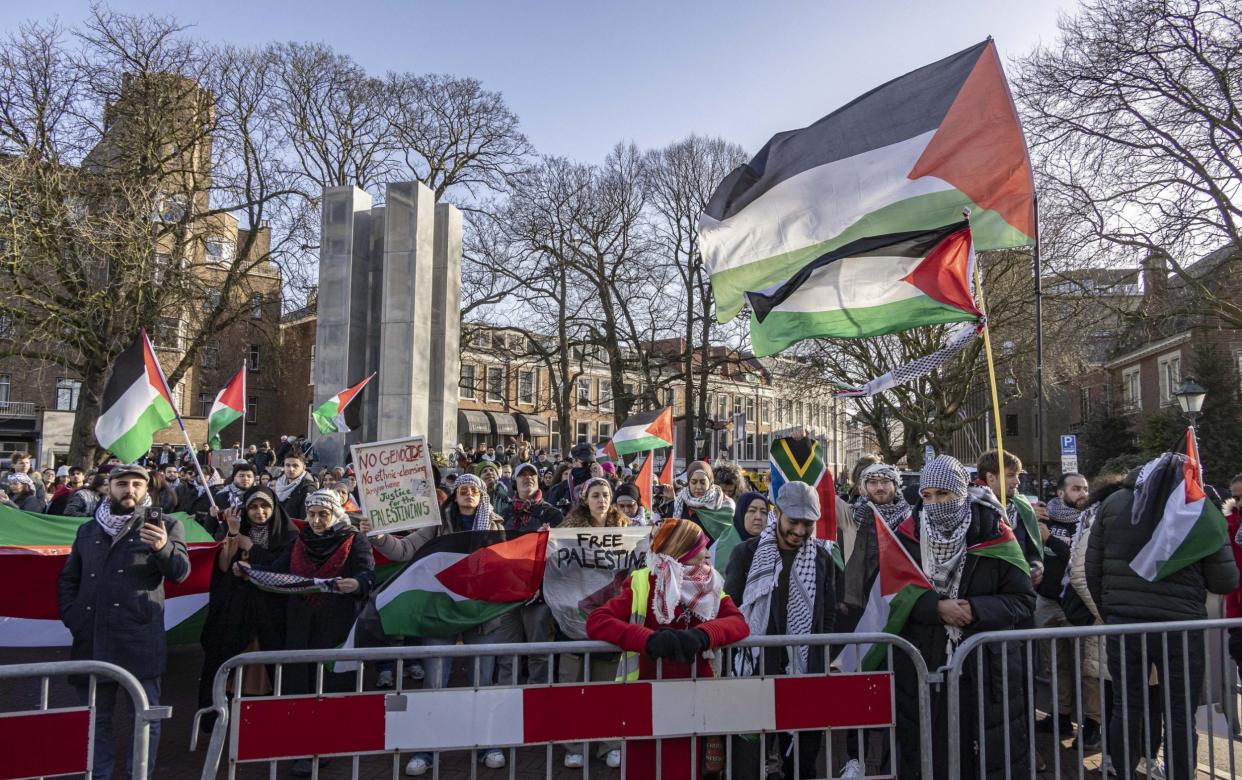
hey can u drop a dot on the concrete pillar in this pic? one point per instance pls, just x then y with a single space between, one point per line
445 328
340 337
370 400
405 317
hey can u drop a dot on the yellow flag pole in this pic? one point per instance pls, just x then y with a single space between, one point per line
996 414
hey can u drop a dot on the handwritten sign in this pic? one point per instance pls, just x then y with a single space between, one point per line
396 487
586 567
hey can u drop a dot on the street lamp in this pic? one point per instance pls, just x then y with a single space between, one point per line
699 439
1190 397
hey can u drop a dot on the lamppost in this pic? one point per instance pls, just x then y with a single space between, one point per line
1190 397
699 439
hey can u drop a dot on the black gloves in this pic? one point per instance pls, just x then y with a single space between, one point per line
663 644
681 646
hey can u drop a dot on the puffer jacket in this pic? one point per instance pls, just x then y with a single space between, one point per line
1121 595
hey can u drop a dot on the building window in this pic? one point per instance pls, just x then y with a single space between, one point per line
495 383
526 387
1011 425
6 327
211 300
209 357
722 407
465 385
67 394
167 333
584 393
481 340
219 250
605 432
205 400
584 431
1170 377
554 436
670 396
6 387
1084 404
605 395
256 306
252 358
1131 392
765 412
252 408
751 454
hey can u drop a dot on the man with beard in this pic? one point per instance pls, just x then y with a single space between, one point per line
294 484
112 599
1057 534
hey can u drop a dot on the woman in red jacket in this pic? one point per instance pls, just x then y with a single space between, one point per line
674 610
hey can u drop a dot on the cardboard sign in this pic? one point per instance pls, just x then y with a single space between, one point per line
396 487
586 567
224 460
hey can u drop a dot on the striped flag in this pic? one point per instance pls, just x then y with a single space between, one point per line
136 403
898 584
643 432
870 287
229 406
330 416
799 460
906 156
1188 527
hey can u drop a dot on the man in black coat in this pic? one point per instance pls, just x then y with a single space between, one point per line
770 577
1123 595
112 599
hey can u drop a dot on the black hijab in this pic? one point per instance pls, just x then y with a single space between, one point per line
739 512
280 529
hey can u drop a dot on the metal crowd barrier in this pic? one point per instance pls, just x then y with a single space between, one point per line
1158 675
504 715
48 741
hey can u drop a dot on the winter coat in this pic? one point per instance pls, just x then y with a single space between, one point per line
82 503
1001 597
611 623
824 619
540 513
295 504
1122 595
111 594
29 502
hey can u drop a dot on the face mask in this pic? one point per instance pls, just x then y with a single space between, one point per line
945 515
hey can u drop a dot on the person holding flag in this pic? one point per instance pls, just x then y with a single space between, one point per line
879 487
700 493
784 583
980 582
1157 547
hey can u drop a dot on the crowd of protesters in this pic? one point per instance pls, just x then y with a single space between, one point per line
274 511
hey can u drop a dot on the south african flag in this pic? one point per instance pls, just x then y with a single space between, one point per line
800 460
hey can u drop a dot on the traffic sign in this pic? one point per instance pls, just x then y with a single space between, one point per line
1069 444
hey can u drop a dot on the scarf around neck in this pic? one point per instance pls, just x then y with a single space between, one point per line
714 498
314 550
111 523
1064 518
522 509
893 513
765 572
943 552
695 588
283 488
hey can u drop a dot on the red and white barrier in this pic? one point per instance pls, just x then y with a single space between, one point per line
454 719
44 743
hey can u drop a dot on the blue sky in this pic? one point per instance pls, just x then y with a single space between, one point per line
584 75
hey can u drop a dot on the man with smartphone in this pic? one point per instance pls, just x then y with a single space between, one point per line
112 598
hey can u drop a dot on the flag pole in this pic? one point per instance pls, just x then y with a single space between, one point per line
176 413
245 412
987 348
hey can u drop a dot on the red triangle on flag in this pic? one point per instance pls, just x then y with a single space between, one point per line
944 275
234 394
662 426
643 480
345 396
505 571
897 568
666 473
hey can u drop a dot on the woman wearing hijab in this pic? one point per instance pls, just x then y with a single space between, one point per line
699 493
241 617
676 612
750 516
979 583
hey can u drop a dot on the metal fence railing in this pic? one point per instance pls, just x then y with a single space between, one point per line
47 741
736 719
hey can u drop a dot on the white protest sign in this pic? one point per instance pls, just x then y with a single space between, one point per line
396 487
224 460
585 567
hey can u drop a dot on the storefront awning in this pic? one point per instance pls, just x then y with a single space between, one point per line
530 427
469 421
504 424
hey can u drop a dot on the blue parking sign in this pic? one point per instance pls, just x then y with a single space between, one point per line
1069 444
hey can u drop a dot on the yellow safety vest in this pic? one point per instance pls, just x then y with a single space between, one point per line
640 584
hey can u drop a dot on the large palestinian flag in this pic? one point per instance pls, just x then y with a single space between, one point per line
869 287
897 586
799 460
1188 527
33 550
136 403
643 432
906 156
228 408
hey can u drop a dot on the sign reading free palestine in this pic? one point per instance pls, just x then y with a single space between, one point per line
395 484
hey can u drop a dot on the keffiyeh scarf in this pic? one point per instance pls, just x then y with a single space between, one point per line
696 588
765 572
522 508
944 527
714 498
483 514
283 488
112 524
893 513
234 494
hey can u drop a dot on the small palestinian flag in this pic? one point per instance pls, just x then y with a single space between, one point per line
136 403
799 460
643 482
718 523
908 155
898 584
460 581
644 432
229 406
870 287
1188 527
330 416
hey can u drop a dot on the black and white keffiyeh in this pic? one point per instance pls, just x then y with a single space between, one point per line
112 523
714 498
765 572
944 527
483 514
955 341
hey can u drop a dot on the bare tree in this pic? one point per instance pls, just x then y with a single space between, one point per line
1136 135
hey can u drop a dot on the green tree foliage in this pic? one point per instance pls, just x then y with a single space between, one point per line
1222 417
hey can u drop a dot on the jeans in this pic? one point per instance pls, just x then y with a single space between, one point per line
1183 681
528 623
438 671
105 746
